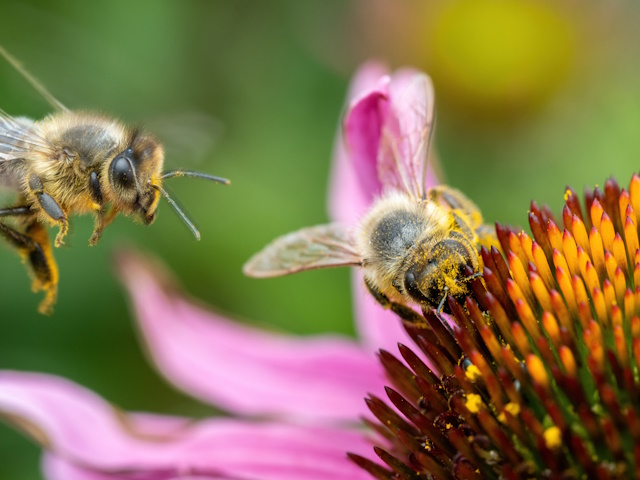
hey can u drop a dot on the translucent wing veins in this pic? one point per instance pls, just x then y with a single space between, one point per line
322 246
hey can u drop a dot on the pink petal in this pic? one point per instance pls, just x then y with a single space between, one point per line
243 369
80 427
407 121
350 195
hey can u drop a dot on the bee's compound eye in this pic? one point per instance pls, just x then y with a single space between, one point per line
411 285
122 172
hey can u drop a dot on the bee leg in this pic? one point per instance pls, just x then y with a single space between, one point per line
102 220
474 276
399 309
50 207
441 304
34 247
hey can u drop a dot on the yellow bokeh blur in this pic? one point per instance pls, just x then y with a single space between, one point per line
499 55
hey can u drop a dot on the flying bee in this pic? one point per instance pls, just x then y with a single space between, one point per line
413 244
74 163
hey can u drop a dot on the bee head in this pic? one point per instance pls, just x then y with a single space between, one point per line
441 272
132 174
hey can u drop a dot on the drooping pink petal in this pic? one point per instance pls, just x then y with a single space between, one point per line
398 103
57 468
81 428
243 369
408 120
352 189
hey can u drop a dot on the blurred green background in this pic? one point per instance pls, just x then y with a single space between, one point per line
532 96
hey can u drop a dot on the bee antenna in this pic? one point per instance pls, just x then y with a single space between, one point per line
178 210
41 89
189 173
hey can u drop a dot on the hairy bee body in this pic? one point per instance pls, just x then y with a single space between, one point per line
79 144
75 163
415 250
415 244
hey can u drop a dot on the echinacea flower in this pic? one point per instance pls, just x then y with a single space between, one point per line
297 401
538 378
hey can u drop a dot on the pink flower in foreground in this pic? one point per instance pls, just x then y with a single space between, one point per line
300 399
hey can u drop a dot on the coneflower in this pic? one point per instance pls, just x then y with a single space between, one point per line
536 376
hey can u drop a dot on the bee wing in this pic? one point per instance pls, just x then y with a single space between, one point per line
19 138
321 246
406 136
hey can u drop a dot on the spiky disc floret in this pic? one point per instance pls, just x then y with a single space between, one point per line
537 375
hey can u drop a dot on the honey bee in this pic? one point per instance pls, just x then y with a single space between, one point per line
74 163
413 243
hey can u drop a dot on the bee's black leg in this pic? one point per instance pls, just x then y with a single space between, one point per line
50 207
399 309
33 246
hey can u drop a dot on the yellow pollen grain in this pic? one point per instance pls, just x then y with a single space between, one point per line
553 438
536 369
634 194
567 194
473 403
472 373
513 408
596 213
570 250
